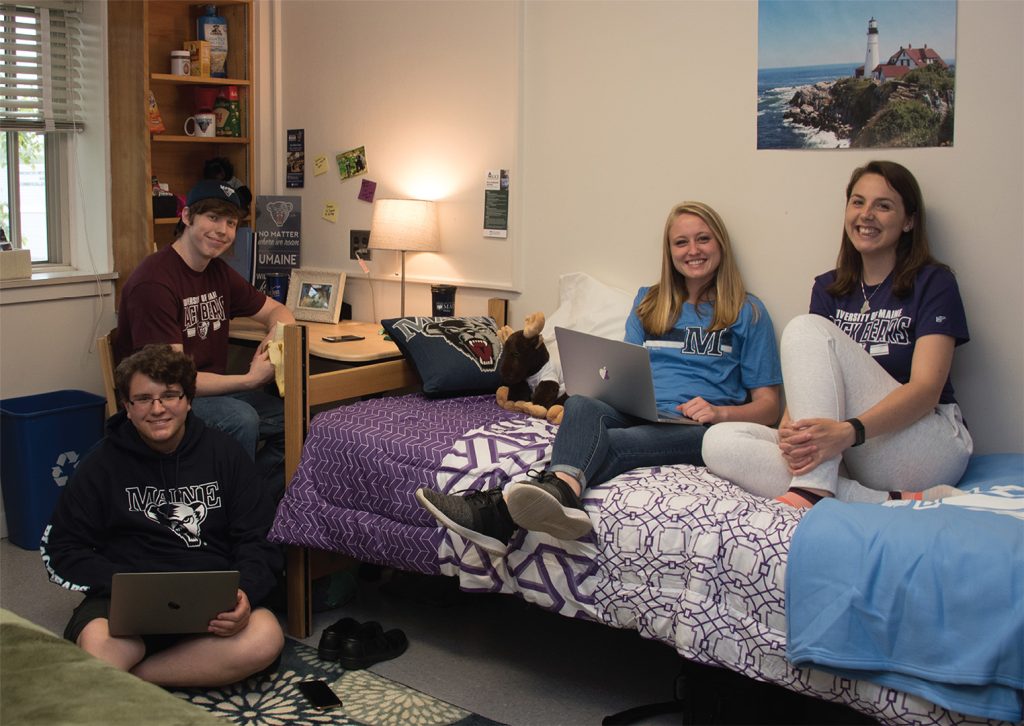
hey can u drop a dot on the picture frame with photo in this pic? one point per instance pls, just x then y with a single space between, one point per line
315 295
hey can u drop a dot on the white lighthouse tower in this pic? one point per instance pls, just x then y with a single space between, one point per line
871 59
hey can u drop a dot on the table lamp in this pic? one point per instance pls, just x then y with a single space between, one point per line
406 225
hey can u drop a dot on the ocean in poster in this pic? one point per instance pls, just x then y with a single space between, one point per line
775 87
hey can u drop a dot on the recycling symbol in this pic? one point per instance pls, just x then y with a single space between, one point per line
66 464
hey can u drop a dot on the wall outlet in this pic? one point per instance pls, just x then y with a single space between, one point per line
359 244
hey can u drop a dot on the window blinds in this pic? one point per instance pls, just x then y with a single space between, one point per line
40 65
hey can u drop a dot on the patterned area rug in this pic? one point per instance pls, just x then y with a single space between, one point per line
368 699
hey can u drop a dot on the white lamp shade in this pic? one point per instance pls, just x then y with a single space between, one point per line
404 224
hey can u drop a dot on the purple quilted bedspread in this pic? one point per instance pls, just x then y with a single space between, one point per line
677 554
354 491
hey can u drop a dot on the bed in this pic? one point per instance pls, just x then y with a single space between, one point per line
677 554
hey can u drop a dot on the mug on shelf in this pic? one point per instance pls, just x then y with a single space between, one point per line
181 65
202 124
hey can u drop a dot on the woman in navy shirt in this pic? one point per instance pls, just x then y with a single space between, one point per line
713 358
867 371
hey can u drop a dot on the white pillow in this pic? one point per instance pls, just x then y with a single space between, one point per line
590 306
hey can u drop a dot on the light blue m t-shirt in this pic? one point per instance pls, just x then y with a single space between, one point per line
721 366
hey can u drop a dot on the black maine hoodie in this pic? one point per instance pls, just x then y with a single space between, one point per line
128 508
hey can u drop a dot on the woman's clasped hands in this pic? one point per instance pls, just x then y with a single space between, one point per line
808 442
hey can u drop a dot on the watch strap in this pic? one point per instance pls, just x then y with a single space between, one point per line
858 431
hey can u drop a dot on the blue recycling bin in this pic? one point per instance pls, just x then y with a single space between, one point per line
42 439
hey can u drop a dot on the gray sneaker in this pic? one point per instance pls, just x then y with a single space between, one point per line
545 503
480 517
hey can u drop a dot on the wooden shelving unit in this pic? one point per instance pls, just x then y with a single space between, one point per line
141 38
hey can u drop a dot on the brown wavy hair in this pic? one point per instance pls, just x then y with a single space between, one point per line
912 249
160 362
218 206
663 303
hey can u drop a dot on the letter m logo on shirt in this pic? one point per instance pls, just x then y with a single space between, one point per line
701 342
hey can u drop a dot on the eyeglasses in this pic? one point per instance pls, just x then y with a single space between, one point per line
168 398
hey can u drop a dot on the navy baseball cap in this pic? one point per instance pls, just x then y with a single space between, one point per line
211 189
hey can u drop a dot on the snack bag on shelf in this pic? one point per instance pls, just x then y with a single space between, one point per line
156 123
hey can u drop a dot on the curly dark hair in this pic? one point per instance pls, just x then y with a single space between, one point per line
160 362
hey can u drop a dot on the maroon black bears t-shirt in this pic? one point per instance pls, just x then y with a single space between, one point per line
166 301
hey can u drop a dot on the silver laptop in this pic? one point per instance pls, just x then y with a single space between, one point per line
612 371
153 603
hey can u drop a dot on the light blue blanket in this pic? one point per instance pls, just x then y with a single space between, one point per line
924 597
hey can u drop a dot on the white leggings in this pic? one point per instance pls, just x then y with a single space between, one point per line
828 375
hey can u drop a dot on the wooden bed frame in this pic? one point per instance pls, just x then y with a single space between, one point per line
304 390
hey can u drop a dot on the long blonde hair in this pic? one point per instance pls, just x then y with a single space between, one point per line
663 303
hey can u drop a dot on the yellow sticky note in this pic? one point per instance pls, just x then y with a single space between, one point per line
319 165
330 212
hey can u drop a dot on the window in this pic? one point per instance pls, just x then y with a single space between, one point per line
39 68
32 194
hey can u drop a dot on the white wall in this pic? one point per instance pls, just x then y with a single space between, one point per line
624 108
630 107
428 88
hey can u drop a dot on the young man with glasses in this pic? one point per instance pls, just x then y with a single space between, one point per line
184 295
164 492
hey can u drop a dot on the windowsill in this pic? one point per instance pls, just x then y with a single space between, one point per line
54 285
56 277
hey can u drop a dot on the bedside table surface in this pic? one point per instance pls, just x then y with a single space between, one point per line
374 348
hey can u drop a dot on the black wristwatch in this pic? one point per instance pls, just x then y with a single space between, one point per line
858 431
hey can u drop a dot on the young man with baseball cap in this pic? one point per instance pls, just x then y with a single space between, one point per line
184 296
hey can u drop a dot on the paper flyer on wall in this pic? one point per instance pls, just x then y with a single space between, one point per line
496 203
295 177
278 239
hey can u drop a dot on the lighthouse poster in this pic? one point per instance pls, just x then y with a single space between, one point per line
834 74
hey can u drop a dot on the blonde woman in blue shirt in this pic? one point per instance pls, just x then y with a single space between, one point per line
713 358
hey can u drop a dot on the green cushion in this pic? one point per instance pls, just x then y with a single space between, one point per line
49 680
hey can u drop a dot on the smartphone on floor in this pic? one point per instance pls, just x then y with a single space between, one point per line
319 695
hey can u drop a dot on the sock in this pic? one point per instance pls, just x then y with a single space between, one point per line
800 498
941 491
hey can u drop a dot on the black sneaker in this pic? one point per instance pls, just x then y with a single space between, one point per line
545 503
480 517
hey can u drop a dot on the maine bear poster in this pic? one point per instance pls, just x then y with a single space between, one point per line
278 242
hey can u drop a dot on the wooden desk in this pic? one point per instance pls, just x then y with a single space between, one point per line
374 348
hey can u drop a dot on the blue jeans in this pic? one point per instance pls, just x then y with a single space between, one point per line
250 417
596 442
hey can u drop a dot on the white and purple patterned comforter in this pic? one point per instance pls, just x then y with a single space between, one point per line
677 554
